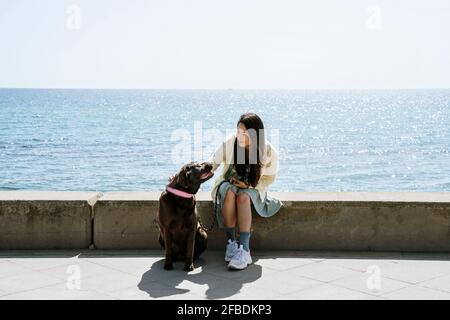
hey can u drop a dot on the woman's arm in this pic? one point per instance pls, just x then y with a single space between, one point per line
269 171
219 156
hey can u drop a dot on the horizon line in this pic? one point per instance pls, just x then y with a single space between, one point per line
226 89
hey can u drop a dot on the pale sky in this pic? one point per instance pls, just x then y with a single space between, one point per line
220 44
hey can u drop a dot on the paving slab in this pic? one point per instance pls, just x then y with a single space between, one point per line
139 274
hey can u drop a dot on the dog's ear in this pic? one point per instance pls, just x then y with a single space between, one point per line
182 177
188 174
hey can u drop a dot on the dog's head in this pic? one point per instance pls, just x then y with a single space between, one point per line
192 175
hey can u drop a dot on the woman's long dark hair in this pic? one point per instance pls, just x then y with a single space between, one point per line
251 168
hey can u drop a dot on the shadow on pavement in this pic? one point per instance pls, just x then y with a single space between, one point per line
221 281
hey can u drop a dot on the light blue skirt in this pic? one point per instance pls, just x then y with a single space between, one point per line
265 208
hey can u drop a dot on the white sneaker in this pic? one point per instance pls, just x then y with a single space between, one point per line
232 248
241 259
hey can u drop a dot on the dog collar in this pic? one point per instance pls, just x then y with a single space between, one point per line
179 193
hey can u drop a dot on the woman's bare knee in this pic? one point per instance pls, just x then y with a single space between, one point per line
242 199
230 196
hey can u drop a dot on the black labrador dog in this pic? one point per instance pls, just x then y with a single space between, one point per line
180 233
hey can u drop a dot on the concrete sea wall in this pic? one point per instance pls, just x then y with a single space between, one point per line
366 221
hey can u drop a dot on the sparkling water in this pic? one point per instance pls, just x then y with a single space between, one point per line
113 140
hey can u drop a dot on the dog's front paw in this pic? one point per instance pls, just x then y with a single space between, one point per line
168 266
189 267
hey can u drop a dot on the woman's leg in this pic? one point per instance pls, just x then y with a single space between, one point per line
229 215
229 209
244 210
243 203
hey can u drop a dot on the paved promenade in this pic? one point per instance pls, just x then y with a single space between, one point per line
139 274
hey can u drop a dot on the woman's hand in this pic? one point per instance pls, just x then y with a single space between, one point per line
239 183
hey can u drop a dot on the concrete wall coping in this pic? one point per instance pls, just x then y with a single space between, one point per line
130 196
414 197
93 197
25 195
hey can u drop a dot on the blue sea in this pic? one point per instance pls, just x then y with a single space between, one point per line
123 140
